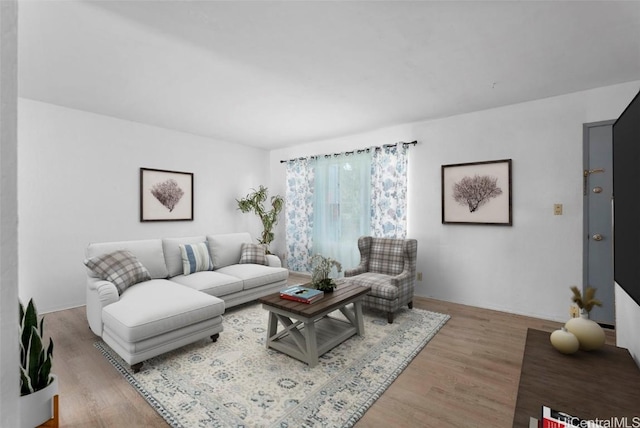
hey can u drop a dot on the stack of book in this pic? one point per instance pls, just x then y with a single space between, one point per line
301 294
555 419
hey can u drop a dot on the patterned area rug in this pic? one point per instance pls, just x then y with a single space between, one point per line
237 382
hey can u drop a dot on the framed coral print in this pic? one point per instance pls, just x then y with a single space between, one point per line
165 195
477 193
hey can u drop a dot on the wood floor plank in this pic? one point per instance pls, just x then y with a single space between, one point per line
466 376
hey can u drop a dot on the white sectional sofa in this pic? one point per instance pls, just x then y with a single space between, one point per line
169 309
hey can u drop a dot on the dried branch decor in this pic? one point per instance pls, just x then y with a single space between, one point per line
165 195
477 193
586 302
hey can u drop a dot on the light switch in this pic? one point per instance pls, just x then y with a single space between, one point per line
557 209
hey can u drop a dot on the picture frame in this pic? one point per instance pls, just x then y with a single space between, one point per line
165 195
477 193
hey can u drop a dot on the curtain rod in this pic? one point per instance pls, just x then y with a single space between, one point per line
412 143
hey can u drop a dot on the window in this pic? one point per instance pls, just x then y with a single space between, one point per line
333 200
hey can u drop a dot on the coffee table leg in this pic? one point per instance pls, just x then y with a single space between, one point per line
359 324
312 343
272 327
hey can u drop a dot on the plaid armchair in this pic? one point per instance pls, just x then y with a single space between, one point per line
389 266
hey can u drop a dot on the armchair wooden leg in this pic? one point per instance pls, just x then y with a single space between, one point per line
215 337
390 317
410 304
136 367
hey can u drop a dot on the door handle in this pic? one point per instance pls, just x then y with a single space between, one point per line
597 237
585 175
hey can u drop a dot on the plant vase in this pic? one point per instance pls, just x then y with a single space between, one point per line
37 408
589 333
321 269
326 284
564 341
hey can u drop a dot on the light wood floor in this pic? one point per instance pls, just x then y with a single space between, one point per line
466 376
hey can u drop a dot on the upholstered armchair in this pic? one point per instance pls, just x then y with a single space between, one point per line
388 266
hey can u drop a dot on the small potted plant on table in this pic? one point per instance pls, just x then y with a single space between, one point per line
321 269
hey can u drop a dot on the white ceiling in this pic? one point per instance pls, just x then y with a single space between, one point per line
275 74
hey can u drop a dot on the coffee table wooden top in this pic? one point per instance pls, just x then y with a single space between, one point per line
329 301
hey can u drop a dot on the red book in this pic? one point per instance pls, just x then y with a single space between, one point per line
555 419
296 299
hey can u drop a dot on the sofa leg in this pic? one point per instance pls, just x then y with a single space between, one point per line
410 304
136 367
215 337
390 317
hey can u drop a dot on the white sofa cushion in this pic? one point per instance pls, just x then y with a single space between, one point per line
253 253
213 283
156 307
195 258
225 249
172 257
255 275
148 252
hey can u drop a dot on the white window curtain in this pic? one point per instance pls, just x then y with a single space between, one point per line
389 192
341 211
299 213
333 200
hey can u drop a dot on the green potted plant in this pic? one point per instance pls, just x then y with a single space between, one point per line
254 202
321 269
37 384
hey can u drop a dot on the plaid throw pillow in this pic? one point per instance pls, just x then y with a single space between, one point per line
253 253
120 267
195 258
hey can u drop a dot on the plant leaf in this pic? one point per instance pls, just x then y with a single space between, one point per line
29 321
25 383
35 354
577 297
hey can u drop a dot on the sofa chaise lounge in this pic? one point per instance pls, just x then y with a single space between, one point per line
168 309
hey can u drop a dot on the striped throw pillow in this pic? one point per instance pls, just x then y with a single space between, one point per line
253 253
195 258
119 267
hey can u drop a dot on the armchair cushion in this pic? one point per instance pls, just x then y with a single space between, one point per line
386 256
381 284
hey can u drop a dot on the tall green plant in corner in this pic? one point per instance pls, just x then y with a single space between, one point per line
35 361
254 202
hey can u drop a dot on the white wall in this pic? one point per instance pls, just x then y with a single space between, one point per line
79 183
9 326
627 322
524 269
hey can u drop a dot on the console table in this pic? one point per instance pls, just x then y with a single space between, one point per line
600 384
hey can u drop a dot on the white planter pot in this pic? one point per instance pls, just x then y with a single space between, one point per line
37 408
